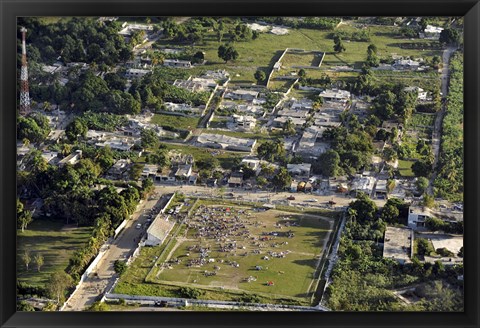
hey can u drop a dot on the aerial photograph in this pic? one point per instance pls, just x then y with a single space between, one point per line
240 164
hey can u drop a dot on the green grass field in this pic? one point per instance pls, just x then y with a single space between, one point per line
226 158
405 168
55 241
175 121
263 52
292 275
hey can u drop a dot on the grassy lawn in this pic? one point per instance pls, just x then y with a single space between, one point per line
55 241
292 275
249 135
174 121
405 168
303 248
226 158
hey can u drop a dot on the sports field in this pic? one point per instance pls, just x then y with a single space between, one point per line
238 248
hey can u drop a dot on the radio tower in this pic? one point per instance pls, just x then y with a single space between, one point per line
24 94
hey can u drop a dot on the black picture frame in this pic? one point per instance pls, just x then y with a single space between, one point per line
10 9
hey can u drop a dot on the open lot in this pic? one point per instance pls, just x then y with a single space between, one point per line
55 241
237 248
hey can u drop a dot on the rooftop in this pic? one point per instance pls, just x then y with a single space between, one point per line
397 244
160 227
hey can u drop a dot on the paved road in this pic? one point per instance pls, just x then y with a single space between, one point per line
123 246
436 134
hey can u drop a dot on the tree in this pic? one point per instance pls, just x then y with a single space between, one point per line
365 208
25 307
428 201
39 260
282 179
198 57
120 267
421 168
338 44
259 76
57 285
149 139
227 52
99 307
449 35
24 217
77 128
289 127
262 181
190 292
26 258
329 163
390 213
421 184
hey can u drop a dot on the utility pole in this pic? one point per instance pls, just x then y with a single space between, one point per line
24 89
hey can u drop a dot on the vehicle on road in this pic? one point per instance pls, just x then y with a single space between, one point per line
312 200
138 226
331 202
291 198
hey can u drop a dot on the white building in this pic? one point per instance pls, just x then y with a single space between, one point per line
177 63
335 95
363 184
417 216
241 94
421 94
158 230
302 169
72 159
135 73
398 244
406 64
226 142
243 122
432 32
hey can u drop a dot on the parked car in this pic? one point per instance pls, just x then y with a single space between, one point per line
138 226
331 202
291 198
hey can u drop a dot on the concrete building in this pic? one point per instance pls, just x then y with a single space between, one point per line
120 169
302 169
421 94
398 244
177 63
226 142
432 32
298 113
406 64
252 163
278 122
235 180
196 84
241 94
135 73
72 159
363 184
51 157
183 108
244 122
417 216
158 230
216 75
335 95
310 147
183 171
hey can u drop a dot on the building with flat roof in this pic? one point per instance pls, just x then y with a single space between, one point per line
134 73
398 244
158 231
244 122
226 142
363 184
417 216
302 169
241 94
177 63
335 95
72 159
